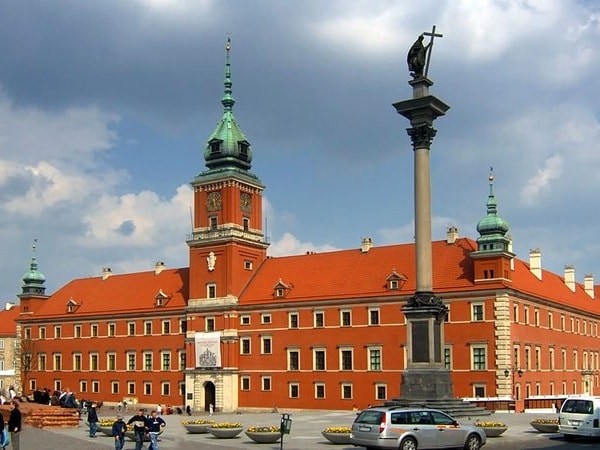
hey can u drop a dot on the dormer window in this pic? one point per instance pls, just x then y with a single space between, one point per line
161 298
281 289
243 148
215 147
395 281
72 306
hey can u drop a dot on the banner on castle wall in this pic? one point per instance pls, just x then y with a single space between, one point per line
208 349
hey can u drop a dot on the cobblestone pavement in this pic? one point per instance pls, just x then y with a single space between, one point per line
305 434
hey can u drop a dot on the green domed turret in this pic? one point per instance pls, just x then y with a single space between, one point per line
492 228
227 147
33 280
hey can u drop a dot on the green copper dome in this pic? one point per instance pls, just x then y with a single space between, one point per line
33 280
227 147
492 228
492 223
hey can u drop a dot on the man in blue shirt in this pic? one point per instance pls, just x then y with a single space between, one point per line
154 425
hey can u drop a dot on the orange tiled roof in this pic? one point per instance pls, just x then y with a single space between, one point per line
8 327
354 274
134 292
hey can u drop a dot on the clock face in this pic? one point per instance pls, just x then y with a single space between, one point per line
213 201
246 201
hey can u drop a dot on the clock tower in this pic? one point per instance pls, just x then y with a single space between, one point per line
227 244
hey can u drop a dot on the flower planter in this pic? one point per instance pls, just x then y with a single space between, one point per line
493 431
337 438
545 427
225 433
106 430
262 437
196 428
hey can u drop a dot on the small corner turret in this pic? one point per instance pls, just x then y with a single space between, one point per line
33 291
493 256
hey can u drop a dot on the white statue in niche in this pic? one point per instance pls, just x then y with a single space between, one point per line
211 259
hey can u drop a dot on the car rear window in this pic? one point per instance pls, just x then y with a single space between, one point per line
575 406
370 417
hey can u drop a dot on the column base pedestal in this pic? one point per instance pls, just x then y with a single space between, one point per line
426 384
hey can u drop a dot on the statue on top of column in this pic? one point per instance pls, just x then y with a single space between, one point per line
419 55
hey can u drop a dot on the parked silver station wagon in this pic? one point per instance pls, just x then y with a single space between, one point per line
413 428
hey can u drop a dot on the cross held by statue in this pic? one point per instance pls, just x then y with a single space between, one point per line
432 36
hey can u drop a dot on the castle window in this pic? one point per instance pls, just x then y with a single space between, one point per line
265 319
478 358
245 346
266 383
215 147
293 360
381 391
41 333
246 223
279 292
248 264
243 148
319 319
346 318
245 383
77 331
293 319
111 329
245 320
210 324
211 291
319 390
213 223
347 391
27 333
166 327
374 316
57 332
393 285
294 390
477 312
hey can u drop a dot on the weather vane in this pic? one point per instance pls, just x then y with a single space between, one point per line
419 55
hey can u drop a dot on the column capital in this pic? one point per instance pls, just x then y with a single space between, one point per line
421 136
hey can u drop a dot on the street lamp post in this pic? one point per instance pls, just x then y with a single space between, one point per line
519 372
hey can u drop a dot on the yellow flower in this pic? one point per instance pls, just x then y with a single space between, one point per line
337 430
198 422
490 424
546 421
263 429
227 425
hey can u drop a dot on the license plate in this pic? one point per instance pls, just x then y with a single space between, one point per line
576 423
364 428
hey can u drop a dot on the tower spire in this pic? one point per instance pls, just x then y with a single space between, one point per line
227 149
33 281
228 101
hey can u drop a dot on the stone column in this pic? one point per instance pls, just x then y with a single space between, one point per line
425 377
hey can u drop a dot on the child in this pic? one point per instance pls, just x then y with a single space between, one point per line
118 431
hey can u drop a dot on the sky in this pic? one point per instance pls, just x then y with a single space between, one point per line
105 109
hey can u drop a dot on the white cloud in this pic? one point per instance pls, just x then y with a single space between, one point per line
541 182
289 244
137 220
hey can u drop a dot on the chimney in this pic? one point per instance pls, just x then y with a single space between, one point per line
510 250
451 235
535 262
588 285
159 267
366 244
570 277
106 272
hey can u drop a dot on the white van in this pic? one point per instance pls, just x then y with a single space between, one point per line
580 416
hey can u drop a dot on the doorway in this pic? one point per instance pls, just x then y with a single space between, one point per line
209 396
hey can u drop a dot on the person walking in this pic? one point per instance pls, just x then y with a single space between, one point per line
14 424
118 431
154 425
3 434
139 428
92 418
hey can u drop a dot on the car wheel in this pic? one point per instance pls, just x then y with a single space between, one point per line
473 442
408 444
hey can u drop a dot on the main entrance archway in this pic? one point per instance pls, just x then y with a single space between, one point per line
209 395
